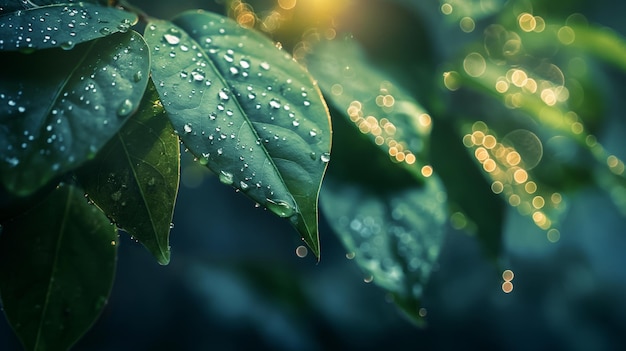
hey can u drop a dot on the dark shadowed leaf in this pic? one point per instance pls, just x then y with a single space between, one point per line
380 109
53 120
61 25
134 179
57 264
391 226
245 109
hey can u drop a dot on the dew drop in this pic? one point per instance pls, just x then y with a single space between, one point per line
274 103
369 279
138 76
187 128
223 95
226 177
125 108
265 66
68 45
350 255
280 208
325 157
105 31
171 39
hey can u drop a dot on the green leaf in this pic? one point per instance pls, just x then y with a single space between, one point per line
53 120
57 264
380 109
392 226
247 110
61 25
134 179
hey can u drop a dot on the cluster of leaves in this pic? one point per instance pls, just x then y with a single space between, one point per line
107 121
91 107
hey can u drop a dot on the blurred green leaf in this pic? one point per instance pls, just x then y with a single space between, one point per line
380 109
53 120
246 110
134 179
44 27
391 226
57 264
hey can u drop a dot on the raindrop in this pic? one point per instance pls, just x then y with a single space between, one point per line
68 45
369 279
105 31
171 39
244 64
197 75
187 128
226 177
295 123
265 66
325 157
138 76
234 71
125 108
280 208
116 196
274 103
223 95
350 255
313 133
243 185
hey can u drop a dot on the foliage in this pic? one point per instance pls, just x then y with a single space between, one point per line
502 118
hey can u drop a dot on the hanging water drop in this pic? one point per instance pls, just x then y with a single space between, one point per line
280 208
325 157
125 108
226 177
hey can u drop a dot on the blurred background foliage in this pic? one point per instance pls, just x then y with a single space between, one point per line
528 138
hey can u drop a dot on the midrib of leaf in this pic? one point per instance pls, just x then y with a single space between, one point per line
54 266
143 197
243 113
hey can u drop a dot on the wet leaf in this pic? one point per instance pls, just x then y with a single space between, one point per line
57 264
380 109
247 110
61 25
53 120
134 179
392 226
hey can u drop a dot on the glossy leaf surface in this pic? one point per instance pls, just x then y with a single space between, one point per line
245 109
134 179
53 120
61 25
57 264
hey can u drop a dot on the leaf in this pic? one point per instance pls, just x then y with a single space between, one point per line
60 25
380 109
392 226
247 110
134 179
53 120
57 264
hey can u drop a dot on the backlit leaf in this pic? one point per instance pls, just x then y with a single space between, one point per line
380 109
245 109
61 25
57 264
53 120
392 226
134 179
